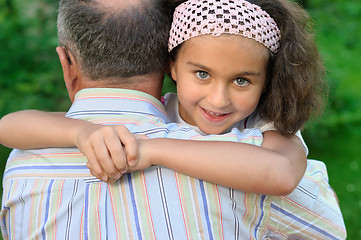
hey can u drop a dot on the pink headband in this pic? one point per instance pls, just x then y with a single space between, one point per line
200 17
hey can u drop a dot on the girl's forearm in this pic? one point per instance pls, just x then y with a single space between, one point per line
237 165
36 129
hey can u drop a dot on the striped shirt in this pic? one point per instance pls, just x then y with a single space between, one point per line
50 194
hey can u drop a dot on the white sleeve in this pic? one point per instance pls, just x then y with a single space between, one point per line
255 121
299 135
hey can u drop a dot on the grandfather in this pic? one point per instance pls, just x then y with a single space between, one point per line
113 57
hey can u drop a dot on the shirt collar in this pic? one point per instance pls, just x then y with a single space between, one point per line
114 99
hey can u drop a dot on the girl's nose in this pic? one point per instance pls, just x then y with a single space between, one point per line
219 96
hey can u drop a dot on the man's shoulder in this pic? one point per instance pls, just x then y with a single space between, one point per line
46 163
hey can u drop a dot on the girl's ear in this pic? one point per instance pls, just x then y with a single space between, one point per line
173 71
70 71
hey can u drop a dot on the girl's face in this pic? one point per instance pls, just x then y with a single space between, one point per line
219 80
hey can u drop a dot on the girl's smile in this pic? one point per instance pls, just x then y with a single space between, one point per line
213 116
219 80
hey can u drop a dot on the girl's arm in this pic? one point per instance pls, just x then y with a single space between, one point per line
31 129
276 168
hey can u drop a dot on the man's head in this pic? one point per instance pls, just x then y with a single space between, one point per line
113 42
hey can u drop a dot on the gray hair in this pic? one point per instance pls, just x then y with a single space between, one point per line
115 42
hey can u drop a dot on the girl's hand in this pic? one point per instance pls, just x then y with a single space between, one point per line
110 150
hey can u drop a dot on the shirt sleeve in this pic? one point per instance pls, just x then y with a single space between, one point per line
250 136
255 121
310 211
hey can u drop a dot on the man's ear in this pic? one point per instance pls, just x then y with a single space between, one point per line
70 71
173 72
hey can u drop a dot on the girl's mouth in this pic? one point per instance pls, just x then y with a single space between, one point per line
214 116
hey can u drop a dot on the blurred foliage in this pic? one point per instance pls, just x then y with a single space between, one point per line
31 77
339 34
30 74
335 138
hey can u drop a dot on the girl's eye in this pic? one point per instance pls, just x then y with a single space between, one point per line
202 75
241 82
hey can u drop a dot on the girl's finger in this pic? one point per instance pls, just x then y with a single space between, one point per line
116 151
95 168
99 144
129 141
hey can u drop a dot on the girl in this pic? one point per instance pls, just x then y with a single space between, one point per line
243 64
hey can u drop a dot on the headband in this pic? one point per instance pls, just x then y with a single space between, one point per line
200 17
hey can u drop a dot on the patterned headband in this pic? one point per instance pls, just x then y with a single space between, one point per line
200 17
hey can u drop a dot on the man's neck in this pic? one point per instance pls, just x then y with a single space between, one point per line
150 84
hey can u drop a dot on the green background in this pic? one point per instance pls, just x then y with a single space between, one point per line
31 78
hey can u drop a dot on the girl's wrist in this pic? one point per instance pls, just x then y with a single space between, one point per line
148 151
79 133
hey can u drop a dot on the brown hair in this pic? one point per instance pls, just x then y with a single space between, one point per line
295 79
296 76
